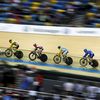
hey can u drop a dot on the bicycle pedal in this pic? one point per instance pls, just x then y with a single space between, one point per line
90 63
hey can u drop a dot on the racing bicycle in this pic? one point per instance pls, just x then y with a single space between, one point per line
87 60
33 55
10 52
59 57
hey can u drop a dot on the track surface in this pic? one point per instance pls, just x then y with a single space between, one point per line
50 43
75 68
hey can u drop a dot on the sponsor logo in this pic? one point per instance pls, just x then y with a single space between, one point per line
45 30
66 31
25 29
87 32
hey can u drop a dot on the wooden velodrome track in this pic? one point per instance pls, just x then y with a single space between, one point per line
75 45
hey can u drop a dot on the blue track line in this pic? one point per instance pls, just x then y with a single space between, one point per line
51 65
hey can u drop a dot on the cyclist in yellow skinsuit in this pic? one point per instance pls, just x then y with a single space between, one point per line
14 45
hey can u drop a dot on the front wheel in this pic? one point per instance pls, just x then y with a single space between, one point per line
57 59
8 53
83 62
69 61
32 56
43 57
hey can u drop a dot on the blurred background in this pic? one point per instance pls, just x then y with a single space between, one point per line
21 82
85 13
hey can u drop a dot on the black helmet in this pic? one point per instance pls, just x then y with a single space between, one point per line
59 47
85 50
10 40
35 45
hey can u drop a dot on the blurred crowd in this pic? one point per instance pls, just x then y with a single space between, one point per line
23 83
84 13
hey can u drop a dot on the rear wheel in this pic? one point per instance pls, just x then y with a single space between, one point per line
32 56
57 59
69 61
43 57
8 53
19 54
83 62
94 63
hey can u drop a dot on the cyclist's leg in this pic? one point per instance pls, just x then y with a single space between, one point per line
17 46
64 54
40 52
91 56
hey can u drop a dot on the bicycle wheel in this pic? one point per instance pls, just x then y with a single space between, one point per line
94 63
83 62
69 61
19 54
8 53
43 57
57 59
32 56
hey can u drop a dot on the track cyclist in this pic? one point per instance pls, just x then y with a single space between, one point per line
63 51
88 59
38 49
13 45
88 53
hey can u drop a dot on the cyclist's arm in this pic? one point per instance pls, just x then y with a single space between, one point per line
35 49
11 45
60 52
85 55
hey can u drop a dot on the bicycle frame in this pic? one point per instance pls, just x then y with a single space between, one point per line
12 49
62 57
35 52
88 59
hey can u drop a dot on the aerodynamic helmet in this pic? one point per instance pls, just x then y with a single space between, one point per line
35 45
59 47
10 41
85 50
